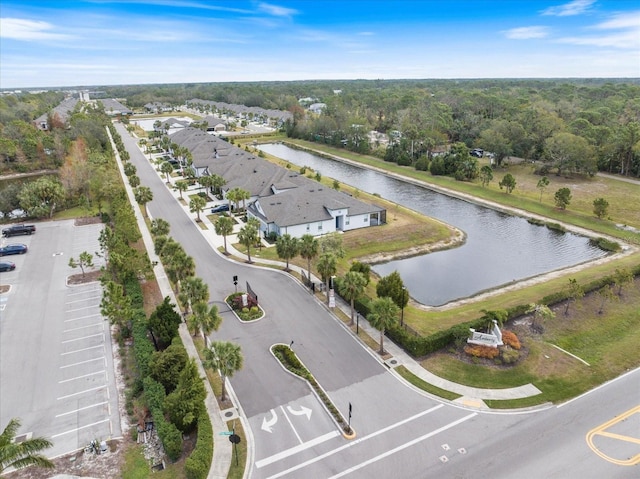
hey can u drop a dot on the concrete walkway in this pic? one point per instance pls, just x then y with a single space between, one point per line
222 448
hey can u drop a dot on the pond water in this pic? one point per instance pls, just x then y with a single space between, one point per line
500 248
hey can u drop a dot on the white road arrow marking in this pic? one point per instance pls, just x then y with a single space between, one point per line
304 411
267 425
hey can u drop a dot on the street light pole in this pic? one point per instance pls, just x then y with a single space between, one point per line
357 324
404 290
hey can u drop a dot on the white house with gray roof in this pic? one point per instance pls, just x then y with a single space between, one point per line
283 200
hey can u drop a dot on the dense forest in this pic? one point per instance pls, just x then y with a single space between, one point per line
572 126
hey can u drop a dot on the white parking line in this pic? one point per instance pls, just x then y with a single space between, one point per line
79 428
80 309
83 317
80 377
81 350
82 338
83 291
84 299
83 362
81 392
93 325
82 409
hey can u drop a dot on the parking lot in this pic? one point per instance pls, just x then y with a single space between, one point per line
56 357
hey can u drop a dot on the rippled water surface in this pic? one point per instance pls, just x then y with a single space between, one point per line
500 248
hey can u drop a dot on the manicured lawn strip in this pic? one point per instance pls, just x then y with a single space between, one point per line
513 403
237 471
419 383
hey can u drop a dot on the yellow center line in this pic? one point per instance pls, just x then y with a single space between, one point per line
601 431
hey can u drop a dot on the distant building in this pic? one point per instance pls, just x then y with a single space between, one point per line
113 107
60 115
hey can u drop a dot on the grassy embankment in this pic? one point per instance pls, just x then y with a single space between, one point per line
606 341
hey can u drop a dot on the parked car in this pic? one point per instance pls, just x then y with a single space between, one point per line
21 229
477 152
7 266
16 248
220 208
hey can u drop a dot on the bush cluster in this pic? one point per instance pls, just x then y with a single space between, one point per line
479 351
510 339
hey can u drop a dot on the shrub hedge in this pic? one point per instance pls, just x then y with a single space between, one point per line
198 463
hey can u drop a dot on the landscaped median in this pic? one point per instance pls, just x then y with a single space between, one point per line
290 361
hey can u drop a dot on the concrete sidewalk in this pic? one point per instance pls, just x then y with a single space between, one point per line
222 448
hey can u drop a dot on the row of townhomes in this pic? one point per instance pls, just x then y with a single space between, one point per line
283 200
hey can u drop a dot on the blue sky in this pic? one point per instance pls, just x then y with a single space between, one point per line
112 42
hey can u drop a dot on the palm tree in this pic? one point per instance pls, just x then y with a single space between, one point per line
193 290
224 227
159 227
218 182
143 195
384 313
351 288
309 248
22 454
327 267
166 168
204 319
287 248
196 205
247 237
179 266
225 357
181 185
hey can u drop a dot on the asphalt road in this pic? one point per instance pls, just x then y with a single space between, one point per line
56 361
400 432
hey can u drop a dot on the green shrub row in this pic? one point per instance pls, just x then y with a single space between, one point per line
198 463
422 345
167 432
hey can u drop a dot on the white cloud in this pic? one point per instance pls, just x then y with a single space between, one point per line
626 40
276 10
624 33
524 33
22 29
576 7
622 20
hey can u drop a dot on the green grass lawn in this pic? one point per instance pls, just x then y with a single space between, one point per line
606 341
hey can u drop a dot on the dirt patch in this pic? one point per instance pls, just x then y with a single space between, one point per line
88 277
87 220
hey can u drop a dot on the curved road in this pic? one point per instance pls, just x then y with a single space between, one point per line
400 432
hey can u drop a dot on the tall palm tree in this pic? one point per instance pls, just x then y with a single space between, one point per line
351 288
309 248
196 205
143 195
204 319
247 237
193 290
224 227
225 357
166 168
22 454
181 185
287 248
383 314
327 267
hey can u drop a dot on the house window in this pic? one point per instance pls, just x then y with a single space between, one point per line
320 227
346 221
366 219
308 227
